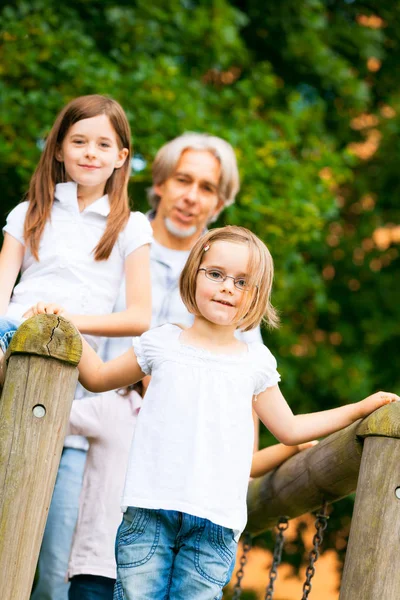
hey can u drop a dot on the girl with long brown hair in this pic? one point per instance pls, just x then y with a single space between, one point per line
74 238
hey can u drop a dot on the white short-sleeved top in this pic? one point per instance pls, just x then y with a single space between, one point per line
67 272
193 444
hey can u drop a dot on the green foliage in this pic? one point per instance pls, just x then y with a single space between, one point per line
284 83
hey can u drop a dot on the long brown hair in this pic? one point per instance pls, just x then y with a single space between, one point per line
50 171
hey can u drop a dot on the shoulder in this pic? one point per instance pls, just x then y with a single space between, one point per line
18 212
265 367
254 335
139 223
152 347
136 233
16 221
262 358
161 334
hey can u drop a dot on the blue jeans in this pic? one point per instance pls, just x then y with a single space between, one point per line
7 329
91 587
169 555
61 520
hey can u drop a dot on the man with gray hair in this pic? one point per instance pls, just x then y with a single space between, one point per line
195 176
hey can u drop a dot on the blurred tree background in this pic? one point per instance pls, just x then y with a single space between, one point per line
307 94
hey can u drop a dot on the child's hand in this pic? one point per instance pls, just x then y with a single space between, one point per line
375 401
45 308
306 445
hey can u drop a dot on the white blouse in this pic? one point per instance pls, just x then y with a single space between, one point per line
67 272
192 447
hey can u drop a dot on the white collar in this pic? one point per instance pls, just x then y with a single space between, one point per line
66 193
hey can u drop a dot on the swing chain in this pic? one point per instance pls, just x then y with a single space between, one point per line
320 526
237 590
283 524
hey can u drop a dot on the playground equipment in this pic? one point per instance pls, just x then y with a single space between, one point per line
34 409
363 457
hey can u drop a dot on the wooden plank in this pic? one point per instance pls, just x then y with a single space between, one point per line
34 411
372 566
328 471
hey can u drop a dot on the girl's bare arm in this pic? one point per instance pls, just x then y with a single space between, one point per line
132 321
291 429
98 376
267 459
11 256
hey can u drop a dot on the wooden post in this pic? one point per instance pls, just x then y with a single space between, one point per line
34 409
372 567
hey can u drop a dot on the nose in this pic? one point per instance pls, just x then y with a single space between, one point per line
91 149
228 285
193 192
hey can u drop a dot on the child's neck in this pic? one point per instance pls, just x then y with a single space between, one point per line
210 336
88 195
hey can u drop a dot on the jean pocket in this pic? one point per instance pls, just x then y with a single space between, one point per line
137 537
215 552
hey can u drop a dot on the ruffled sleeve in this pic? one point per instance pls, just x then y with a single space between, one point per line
266 374
137 232
140 352
16 221
152 347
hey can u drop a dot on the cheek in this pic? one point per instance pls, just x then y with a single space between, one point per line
210 207
203 293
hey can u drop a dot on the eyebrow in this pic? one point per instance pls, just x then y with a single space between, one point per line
224 270
210 183
82 135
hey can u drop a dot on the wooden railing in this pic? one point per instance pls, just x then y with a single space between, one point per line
364 457
34 408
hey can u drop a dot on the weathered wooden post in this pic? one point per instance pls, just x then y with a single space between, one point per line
367 451
34 409
372 566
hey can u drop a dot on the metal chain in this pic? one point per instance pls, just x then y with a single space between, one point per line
320 526
283 524
237 590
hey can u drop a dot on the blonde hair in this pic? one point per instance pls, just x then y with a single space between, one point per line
168 156
50 171
257 305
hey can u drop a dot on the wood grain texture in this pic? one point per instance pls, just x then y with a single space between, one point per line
383 422
30 446
327 471
48 335
372 566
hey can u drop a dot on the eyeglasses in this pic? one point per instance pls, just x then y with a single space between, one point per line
217 276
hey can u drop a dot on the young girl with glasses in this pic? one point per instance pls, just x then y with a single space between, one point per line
72 240
190 460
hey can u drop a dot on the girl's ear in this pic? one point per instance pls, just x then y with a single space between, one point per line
122 156
59 154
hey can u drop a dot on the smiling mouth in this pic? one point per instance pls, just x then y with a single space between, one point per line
183 214
89 167
224 302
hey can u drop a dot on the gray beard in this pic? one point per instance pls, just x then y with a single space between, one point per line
177 232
